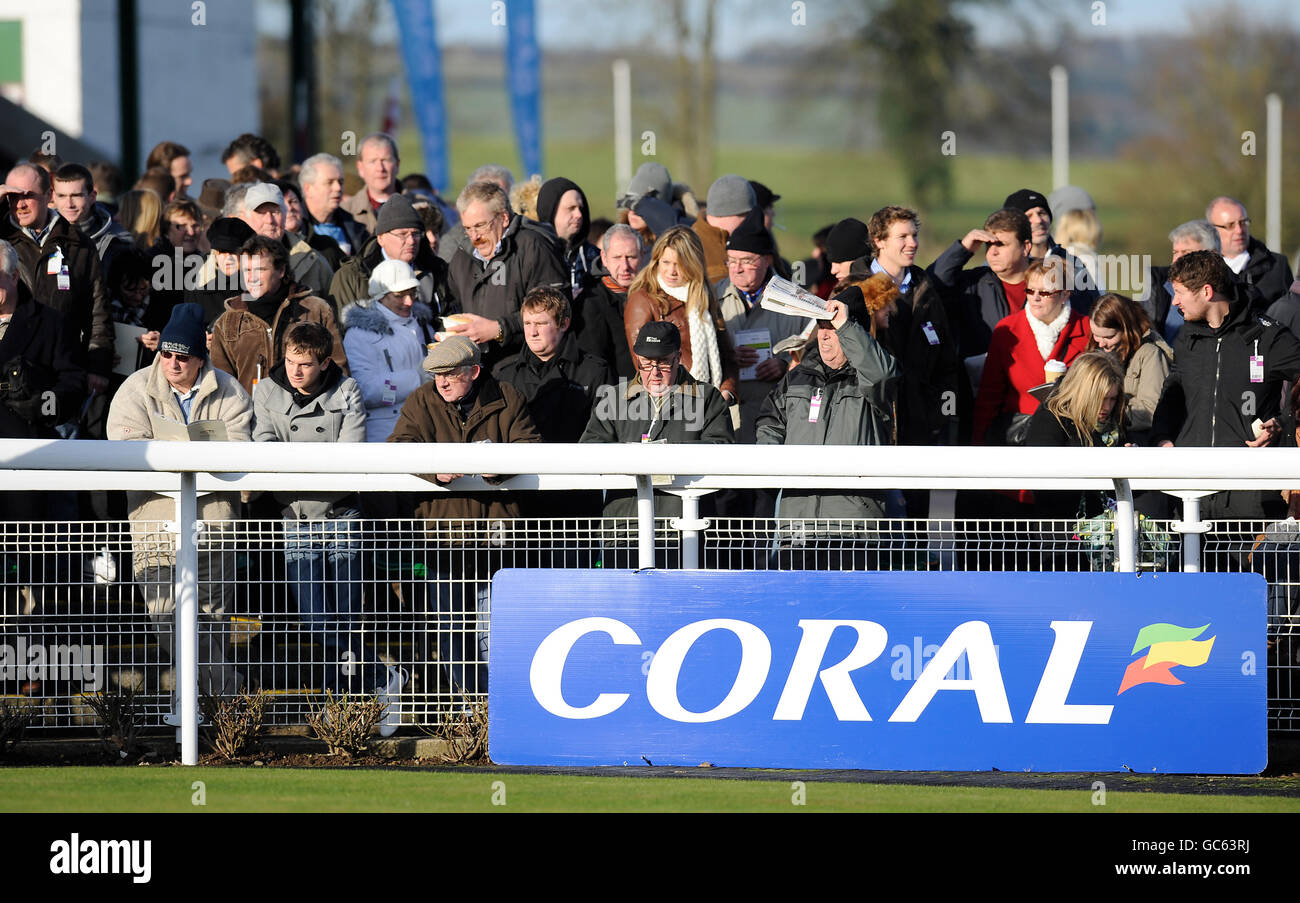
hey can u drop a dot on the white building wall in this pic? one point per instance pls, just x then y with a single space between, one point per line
51 59
198 74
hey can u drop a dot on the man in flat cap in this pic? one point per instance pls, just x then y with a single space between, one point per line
463 403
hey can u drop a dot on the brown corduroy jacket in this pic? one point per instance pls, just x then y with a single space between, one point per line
241 341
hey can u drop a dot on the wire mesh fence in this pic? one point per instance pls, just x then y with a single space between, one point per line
295 608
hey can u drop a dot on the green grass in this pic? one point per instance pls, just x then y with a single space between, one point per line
170 789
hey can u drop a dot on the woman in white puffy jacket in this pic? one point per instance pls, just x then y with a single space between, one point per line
385 340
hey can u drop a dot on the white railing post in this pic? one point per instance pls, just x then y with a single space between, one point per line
645 523
1191 527
186 592
1126 532
690 524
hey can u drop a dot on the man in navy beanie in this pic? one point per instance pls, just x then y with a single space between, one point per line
161 402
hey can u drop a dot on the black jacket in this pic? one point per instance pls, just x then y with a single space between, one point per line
356 234
929 369
85 303
43 341
1268 272
560 391
1158 300
598 324
527 259
976 302
1209 399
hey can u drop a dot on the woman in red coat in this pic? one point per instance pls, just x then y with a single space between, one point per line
1046 330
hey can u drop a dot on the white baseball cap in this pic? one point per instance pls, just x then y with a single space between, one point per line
392 276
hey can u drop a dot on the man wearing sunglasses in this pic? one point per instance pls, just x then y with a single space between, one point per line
181 388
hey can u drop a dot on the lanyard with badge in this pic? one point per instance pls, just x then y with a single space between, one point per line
1257 365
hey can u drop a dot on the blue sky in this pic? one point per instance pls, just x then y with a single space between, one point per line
745 23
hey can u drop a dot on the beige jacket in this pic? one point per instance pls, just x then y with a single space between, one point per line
145 402
1144 380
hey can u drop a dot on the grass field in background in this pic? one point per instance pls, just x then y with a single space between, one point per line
170 789
819 187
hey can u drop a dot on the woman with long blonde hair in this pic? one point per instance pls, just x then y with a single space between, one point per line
673 287
140 213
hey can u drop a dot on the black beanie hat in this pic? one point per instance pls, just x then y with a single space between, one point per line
847 241
548 200
397 213
228 234
751 235
184 332
1027 199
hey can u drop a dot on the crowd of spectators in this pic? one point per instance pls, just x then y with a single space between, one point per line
278 307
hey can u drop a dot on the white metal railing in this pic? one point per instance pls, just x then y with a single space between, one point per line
688 470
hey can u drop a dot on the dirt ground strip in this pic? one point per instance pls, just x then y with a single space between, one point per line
1282 778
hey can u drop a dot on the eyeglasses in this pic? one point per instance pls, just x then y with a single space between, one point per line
744 263
1244 222
657 366
405 234
479 227
1041 293
180 358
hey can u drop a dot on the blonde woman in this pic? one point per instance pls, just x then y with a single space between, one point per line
140 213
1085 411
1079 232
672 287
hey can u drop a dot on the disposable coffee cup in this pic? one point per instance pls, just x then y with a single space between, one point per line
1054 370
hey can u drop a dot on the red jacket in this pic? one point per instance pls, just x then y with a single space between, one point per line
1014 366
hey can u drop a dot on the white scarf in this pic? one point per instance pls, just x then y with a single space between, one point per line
706 363
1046 334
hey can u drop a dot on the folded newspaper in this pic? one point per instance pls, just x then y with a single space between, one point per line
784 297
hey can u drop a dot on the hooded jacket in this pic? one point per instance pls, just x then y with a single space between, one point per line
351 283
335 415
855 407
579 254
242 343
1210 379
559 391
107 235
385 354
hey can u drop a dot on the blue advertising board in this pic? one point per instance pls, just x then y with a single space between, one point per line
892 671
